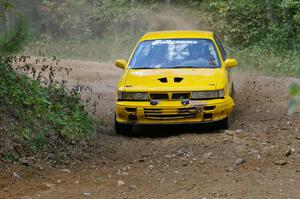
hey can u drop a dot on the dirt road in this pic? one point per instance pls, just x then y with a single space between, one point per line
259 157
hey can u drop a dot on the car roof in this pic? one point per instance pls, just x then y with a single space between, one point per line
178 34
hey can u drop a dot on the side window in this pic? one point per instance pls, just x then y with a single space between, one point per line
222 50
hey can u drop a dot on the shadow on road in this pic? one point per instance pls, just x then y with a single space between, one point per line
158 131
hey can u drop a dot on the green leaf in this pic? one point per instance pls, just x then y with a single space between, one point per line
294 90
7 5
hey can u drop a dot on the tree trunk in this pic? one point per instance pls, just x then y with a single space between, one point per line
132 26
269 11
7 20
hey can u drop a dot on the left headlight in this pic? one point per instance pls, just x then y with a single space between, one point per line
132 96
208 94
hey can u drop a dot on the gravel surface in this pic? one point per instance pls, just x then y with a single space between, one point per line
258 157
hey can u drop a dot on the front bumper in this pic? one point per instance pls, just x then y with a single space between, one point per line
173 112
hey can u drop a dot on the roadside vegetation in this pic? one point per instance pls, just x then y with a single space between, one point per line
263 35
35 109
42 109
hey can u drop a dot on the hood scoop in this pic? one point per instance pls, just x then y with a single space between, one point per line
163 80
178 79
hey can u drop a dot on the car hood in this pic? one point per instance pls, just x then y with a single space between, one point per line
148 80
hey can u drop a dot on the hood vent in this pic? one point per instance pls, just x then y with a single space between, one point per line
178 79
163 80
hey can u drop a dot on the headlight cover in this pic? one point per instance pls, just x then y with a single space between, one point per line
131 96
208 94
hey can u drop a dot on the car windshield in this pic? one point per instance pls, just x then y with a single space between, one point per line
175 53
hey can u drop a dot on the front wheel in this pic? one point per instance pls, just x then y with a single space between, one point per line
232 93
123 129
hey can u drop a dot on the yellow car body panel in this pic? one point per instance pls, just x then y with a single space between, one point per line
173 111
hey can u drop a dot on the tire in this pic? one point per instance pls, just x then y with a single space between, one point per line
232 93
224 124
123 129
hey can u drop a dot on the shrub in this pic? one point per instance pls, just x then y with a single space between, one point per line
42 112
246 22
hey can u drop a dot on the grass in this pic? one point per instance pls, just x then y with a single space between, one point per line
251 59
268 62
107 48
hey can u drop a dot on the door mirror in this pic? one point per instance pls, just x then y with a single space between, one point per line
121 63
229 63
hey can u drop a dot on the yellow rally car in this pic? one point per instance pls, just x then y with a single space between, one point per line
175 77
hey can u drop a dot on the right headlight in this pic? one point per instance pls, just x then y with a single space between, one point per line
133 96
208 94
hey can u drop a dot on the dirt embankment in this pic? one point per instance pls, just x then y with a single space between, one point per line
257 158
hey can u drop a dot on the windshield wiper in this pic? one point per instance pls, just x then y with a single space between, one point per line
142 68
195 67
186 67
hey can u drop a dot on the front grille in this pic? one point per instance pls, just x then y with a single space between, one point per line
159 96
170 113
178 96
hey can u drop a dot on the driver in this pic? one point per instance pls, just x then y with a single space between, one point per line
200 51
